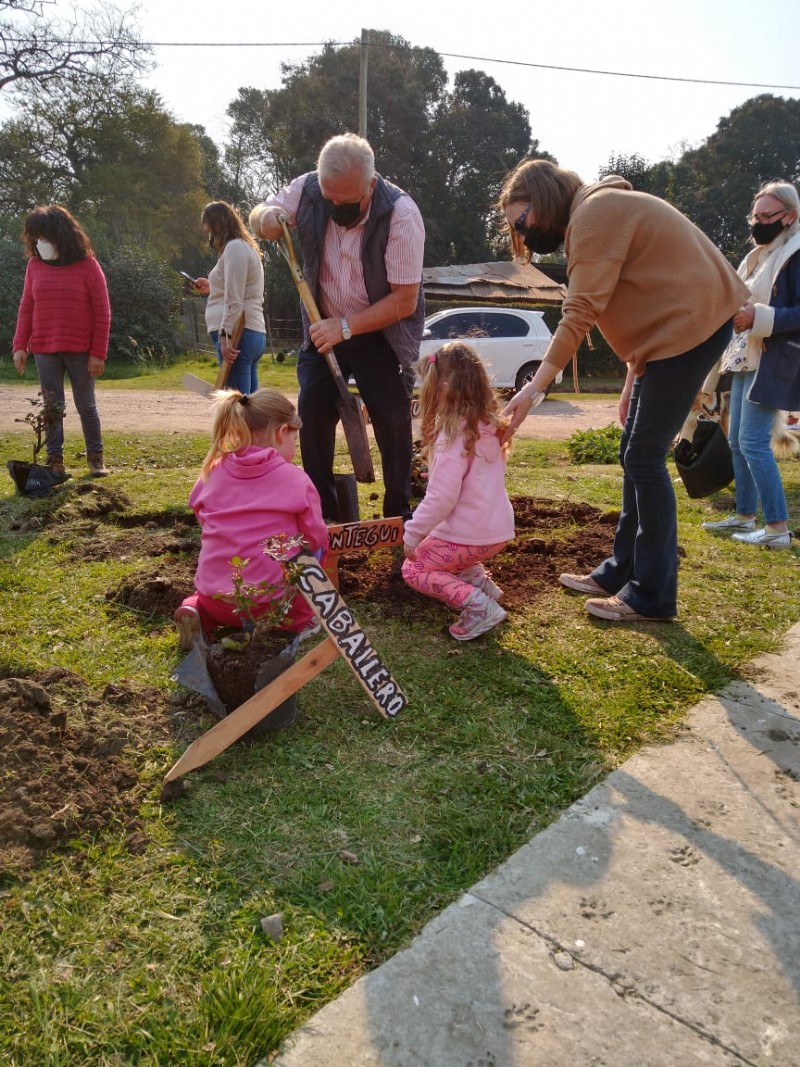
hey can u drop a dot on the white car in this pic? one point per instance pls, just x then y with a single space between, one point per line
511 342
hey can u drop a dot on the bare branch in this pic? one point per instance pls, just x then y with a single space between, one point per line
37 50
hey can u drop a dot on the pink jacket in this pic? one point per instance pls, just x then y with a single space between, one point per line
466 500
249 496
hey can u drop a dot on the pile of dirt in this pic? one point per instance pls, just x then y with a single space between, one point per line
545 546
69 761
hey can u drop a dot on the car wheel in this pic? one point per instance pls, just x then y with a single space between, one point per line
525 375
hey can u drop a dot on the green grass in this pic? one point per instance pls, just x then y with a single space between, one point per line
110 958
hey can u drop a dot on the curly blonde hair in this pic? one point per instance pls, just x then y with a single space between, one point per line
456 396
237 417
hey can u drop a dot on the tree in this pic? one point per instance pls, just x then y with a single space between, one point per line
476 137
111 154
715 183
281 131
37 50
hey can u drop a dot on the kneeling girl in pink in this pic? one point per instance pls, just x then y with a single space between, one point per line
465 517
248 491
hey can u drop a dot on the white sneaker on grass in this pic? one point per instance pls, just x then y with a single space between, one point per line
731 525
764 537
480 614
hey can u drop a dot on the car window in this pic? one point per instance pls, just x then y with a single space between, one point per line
503 324
462 324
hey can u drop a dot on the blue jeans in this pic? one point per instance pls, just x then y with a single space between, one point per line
243 374
52 369
384 388
643 569
755 468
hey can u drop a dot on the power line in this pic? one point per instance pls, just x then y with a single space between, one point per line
447 55
472 59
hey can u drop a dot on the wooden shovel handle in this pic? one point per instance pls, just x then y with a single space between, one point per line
225 367
287 247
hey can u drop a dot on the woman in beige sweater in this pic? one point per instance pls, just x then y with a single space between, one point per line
664 297
235 287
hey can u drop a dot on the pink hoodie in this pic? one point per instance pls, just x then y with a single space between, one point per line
249 496
466 500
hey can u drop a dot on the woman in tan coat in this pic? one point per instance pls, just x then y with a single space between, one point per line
664 297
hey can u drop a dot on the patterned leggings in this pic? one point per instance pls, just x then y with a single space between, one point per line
438 565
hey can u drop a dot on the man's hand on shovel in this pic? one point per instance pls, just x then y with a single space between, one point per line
325 334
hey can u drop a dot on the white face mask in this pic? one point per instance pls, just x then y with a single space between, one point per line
46 250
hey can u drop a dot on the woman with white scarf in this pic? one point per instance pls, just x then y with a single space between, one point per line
771 271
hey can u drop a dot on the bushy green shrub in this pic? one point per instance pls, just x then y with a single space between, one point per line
595 446
145 304
12 276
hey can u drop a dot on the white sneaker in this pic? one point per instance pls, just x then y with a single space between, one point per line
481 614
731 525
765 538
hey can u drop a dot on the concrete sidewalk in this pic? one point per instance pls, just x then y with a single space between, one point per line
656 923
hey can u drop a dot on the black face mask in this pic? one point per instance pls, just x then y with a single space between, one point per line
542 241
764 233
343 214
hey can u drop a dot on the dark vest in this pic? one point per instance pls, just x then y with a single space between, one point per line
312 221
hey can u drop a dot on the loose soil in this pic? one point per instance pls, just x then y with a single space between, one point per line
74 759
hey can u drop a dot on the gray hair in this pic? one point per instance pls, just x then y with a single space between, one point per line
346 154
781 190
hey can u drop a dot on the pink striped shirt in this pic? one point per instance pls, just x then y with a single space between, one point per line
341 276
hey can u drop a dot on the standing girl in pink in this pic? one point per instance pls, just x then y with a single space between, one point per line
465 517
248 491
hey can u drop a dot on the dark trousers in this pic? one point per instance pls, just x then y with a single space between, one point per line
643 570
385 391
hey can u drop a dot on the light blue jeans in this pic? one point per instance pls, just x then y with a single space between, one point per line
243 374
52 369
755 468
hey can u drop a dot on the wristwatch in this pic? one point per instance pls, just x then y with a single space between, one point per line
347 333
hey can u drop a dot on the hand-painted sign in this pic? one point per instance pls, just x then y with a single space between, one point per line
353 644
373 533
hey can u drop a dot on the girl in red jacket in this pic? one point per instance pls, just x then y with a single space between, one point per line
64 319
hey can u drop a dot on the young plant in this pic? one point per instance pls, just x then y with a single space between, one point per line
263 606
47 412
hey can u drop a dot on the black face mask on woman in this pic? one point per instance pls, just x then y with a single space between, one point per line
542 241
343 214
764 233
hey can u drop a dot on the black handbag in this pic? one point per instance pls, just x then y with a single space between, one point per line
704 463
33 479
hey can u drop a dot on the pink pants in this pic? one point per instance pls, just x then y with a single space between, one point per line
435 572
214 613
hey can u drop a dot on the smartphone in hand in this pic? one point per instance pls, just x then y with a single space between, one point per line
188 277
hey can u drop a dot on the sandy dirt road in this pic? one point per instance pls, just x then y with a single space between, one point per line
186 412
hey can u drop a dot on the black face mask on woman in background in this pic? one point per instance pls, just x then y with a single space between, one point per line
764 233
542 241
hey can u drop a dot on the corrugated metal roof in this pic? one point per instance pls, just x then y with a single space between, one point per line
505 281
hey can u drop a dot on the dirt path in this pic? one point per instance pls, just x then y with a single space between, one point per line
120 410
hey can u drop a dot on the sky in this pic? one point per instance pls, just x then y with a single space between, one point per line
580 118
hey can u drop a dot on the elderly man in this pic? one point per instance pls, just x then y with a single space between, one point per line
362 241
